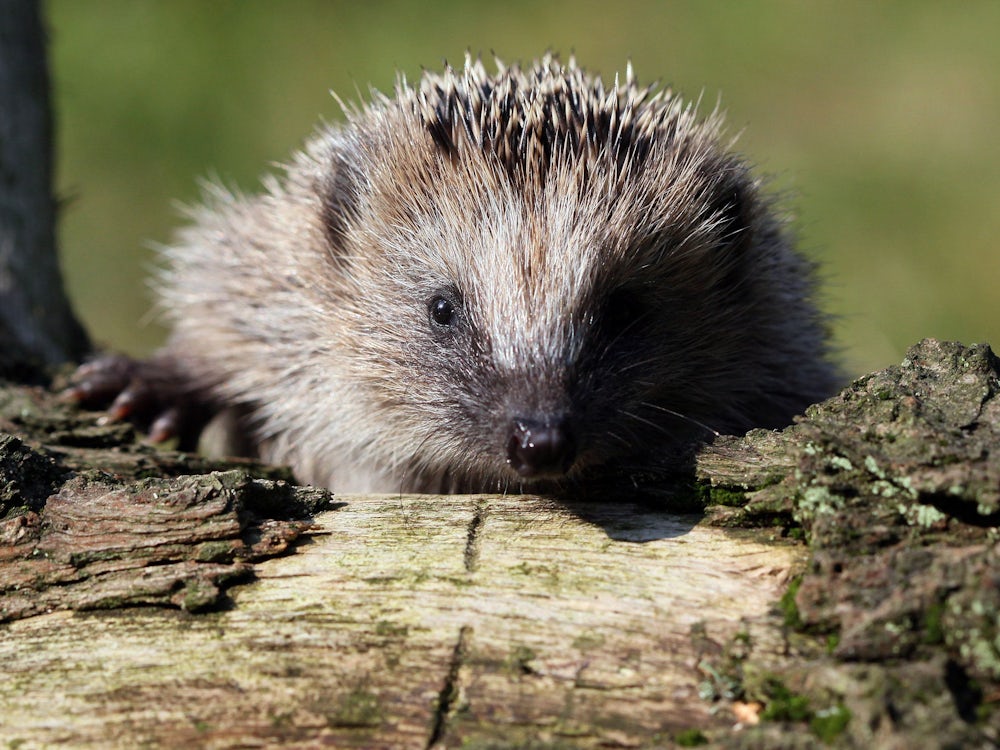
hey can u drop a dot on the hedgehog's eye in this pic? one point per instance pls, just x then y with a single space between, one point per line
442 311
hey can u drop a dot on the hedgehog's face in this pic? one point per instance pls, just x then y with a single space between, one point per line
532 335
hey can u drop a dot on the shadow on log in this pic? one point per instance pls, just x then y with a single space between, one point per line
841 584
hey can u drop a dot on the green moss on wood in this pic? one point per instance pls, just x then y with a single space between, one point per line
783 704
357 708
829 723
789 608
690 738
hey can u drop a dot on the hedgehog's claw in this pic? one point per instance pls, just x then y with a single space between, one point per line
137 391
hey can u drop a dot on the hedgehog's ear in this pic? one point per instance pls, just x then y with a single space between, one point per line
731 211
340 203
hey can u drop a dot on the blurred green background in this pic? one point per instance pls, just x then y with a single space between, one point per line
878 120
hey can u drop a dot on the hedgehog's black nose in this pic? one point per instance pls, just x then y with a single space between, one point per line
540 449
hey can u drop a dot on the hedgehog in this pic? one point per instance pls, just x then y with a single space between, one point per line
489 282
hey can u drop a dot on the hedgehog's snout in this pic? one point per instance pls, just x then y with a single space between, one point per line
539 449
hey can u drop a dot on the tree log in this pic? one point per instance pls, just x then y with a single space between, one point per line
839 584
409 622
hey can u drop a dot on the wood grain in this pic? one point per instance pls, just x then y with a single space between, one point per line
412 622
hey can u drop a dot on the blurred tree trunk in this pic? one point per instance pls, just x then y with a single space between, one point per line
37 324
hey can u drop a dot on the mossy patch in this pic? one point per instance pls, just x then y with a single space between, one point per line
358 708
830 723
727 496
388 629
783 704
588 641
690 738
221 551
518 661
789 608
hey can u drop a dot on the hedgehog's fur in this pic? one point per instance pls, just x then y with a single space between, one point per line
607 264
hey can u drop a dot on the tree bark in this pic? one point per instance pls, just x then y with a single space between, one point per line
37 324
840 583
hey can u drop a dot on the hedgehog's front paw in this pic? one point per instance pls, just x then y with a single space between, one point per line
137 390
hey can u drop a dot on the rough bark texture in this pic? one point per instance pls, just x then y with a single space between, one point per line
895 484
37 326
95 519
840 585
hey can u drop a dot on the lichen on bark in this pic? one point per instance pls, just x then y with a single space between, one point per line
895 486
888 635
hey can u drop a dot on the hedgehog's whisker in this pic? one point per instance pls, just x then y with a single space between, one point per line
679 415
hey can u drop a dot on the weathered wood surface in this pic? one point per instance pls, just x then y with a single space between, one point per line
518 621
406 620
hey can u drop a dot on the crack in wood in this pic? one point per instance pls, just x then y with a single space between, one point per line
472 541
962 510
448 698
